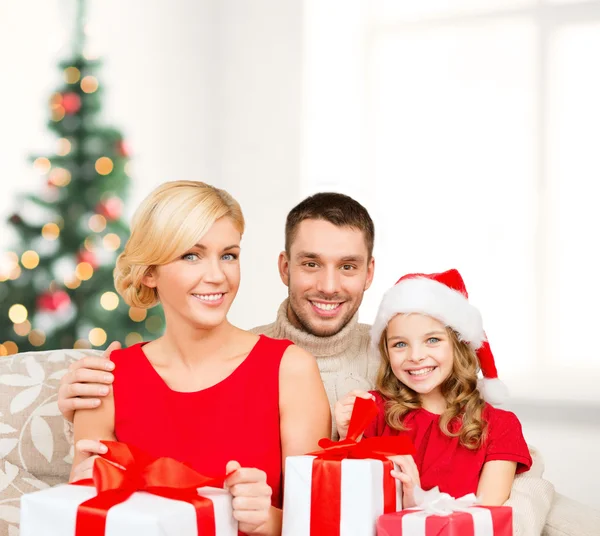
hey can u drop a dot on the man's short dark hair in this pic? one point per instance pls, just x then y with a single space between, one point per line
339 209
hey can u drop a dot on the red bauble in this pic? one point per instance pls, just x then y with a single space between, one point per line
123 148
110 208
53 301
87 256
71 102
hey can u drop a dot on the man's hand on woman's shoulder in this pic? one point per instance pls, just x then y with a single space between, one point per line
86 383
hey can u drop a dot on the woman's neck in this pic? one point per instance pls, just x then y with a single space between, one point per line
192 345
434 402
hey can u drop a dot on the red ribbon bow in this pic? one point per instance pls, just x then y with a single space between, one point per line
138 471
326 486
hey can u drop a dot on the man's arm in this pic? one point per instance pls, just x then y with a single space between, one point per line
87 381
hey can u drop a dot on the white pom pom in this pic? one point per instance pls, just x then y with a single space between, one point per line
493 390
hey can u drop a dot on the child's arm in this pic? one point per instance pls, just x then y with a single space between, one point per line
343 411
496 479
92 424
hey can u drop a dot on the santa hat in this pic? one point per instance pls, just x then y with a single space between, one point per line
444 297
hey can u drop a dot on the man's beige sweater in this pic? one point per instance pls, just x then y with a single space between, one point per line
346 360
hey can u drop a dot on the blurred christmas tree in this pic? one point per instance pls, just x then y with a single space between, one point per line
56 288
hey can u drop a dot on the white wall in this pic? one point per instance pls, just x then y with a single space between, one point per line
258 75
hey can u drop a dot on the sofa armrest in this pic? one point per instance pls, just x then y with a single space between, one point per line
571 518
530 498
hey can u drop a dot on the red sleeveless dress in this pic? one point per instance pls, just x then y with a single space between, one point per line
236 419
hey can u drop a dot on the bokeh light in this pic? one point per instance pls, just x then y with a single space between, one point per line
58 113
109 300
30 259
17 313
63 147
82 344
60 177
10 348
50 231
72 282
97 223
104 165
97 336
84 271
42 165
111 242
72 75
137 314
89 84
23 328
133 338
37 337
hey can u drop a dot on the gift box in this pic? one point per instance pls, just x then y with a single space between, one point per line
154 497
342 489
439 514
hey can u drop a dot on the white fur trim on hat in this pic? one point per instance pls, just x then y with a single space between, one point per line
493 390
428 297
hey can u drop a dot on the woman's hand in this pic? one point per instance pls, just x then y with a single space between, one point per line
251 500
409 476
343 410
88 450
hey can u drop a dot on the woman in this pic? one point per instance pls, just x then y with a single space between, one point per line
223 400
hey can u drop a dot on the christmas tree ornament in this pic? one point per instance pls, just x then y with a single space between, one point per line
85 256
110 208
123 148
71 102
53 301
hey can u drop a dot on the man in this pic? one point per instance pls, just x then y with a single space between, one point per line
327 266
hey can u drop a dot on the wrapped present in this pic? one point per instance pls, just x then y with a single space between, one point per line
131 490
342 489
439 514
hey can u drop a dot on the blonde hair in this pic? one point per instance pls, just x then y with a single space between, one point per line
169 222
463 415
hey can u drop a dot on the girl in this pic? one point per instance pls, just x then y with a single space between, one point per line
432 344
218 393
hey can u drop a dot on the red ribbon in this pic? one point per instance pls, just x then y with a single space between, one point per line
138 471
326 489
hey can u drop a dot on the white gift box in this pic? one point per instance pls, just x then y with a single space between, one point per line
53 511
362 498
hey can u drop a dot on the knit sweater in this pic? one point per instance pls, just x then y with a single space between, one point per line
346 360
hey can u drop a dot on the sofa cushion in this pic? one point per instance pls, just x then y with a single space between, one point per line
32 434
14 482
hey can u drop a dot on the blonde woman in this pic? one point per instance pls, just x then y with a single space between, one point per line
432 345
206 393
